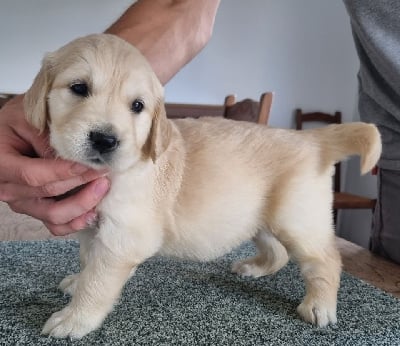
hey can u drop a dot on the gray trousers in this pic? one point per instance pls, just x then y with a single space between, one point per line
385 238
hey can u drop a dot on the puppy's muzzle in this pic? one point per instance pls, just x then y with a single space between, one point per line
103 143
102 146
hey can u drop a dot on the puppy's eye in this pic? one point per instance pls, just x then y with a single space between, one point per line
80 89
137 106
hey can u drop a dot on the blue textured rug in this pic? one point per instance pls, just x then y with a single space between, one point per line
173 302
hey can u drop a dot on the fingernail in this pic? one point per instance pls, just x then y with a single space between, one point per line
78 169
101 187
91 218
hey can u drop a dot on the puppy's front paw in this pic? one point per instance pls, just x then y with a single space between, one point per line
317 313
71 323
69 283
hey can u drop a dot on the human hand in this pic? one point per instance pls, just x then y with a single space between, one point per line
30 176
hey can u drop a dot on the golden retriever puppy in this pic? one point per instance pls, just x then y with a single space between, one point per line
188 188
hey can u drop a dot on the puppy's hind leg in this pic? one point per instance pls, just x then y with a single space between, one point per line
322 276
271 257
313 247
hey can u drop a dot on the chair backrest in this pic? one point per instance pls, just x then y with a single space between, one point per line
321 118
248 110
185 110
316 117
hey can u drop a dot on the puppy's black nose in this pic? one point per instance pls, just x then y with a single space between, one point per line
102 142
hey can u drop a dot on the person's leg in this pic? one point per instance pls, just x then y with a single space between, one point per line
385 238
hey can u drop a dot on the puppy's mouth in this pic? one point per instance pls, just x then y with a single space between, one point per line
97 160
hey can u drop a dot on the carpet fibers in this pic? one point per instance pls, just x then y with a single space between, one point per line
175 302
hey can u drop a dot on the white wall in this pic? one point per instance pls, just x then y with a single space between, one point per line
29 29
302 50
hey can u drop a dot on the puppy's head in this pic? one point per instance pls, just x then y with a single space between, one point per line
102 103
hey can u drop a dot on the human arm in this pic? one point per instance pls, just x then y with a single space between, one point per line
169 33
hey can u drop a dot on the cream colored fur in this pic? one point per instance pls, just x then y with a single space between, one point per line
188 188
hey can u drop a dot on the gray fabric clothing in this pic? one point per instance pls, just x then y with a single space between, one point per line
376 31
385 239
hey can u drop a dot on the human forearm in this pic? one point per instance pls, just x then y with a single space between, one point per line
169 33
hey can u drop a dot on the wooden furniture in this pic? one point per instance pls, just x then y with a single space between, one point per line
248 110
369 267
342 200
185 110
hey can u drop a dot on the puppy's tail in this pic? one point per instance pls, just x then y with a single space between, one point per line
340 141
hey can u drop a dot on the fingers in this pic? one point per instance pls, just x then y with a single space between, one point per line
67 215
36 172
10 192
66 210
26 182
75 225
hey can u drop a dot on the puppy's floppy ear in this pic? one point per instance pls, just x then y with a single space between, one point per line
160 133
35 99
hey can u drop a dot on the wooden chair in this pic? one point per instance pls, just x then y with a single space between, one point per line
342 200
248 110
187 110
